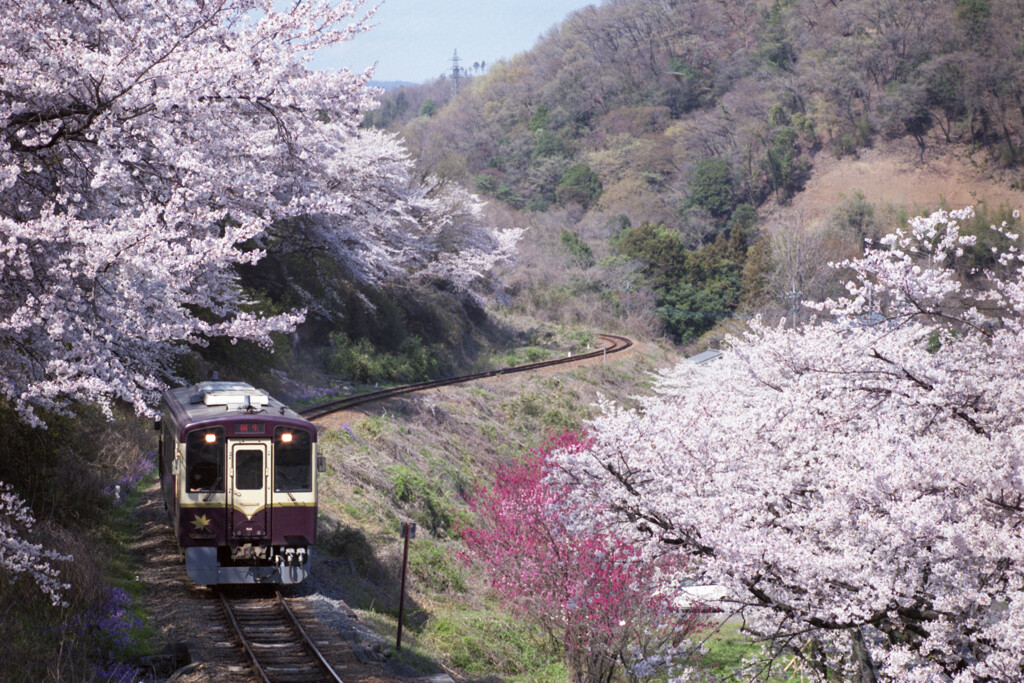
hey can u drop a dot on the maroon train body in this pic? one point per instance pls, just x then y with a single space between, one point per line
238 470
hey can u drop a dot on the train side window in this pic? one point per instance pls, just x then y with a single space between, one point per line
167 447
204 460
293 460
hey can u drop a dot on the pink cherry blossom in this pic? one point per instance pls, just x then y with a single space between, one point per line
586 587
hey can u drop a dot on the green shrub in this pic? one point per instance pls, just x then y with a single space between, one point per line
786 169
541 118
362 362
660 250
373 427
855 217
544 411
510 196
690 310
430 506
546 144
711 187
486 183
579 185
579 250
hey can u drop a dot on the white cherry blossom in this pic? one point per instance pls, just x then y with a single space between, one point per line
857 482
147 147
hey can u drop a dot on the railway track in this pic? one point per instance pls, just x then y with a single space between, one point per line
615 344
279 647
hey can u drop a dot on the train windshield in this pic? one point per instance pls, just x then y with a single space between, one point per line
204 460
293 460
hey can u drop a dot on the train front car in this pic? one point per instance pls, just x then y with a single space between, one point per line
238 473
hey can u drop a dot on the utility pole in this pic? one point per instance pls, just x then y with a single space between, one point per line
795 294
456 72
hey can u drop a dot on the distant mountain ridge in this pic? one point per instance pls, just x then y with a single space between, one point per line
390 85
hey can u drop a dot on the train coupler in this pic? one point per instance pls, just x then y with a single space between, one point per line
248 551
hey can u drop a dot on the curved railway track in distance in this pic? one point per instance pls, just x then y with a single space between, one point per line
280 649
278 646
615 344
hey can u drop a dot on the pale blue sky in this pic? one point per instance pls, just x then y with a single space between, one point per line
413 40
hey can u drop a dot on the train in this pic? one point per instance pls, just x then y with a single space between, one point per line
238 473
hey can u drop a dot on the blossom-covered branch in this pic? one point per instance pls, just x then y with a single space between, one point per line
21 557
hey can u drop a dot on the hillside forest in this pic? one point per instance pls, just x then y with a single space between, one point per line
650 142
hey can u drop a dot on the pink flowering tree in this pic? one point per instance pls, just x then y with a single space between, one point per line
857 484
591 591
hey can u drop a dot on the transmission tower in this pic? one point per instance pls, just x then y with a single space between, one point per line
456 72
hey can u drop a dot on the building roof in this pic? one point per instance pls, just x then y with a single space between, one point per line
706 356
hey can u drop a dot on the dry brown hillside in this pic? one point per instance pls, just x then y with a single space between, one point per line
895 175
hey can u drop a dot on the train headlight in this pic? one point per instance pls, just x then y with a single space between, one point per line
211 438
286 437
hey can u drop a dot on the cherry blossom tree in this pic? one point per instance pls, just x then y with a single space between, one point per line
857 484
147 149
146 146
141 143
587 589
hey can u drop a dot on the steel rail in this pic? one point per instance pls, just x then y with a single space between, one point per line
615 344
241 636
306 639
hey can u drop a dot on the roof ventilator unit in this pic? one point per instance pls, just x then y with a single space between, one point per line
233 396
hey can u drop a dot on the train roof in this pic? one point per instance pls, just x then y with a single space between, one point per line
218 400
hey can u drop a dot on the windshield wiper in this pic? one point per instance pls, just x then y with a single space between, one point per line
210 491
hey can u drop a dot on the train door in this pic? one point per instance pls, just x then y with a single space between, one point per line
247 501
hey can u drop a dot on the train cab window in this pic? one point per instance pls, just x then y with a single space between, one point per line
293 460
204 460
248 469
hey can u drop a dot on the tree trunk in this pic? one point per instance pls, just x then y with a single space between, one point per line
862 659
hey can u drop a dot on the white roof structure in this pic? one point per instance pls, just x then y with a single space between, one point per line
706 356
231 395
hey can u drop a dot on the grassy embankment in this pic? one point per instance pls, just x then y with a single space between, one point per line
418 459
